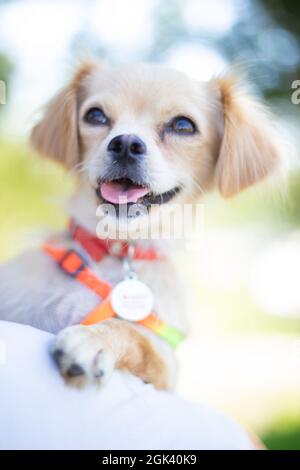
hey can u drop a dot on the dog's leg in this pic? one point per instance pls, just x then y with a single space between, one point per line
90 353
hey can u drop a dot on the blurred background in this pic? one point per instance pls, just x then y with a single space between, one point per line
243 355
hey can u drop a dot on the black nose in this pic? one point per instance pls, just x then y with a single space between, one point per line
127 147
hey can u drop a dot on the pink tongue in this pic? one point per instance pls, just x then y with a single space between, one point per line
117 193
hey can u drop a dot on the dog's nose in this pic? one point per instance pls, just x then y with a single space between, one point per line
127 147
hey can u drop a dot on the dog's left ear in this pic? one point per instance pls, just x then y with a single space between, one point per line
248 151
56 135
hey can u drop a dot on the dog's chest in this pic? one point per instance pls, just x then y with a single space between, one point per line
110 269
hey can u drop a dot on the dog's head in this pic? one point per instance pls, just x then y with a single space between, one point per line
149 135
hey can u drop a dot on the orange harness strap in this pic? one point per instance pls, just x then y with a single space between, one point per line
73 264
100 313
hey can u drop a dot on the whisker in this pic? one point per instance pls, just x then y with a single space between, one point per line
196 184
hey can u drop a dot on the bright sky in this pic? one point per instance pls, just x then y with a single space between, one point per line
37 35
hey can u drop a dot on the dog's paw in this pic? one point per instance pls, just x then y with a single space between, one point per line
82 356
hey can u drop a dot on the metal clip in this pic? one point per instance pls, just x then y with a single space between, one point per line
127 263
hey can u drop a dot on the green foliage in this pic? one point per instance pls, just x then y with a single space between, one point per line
285 12
6 69
283 434
268 46
32 193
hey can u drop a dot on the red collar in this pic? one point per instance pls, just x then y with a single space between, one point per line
98 248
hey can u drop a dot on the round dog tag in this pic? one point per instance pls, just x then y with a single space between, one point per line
132 300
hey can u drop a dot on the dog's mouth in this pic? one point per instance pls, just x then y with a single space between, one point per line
126 191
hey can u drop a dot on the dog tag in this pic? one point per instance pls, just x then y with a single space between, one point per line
132 300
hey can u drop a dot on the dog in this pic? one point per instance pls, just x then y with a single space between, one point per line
137 135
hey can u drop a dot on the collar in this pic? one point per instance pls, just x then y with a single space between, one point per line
98 248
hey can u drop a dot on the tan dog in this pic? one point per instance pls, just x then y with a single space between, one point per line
155 137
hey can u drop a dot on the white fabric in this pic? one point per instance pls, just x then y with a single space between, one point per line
37 411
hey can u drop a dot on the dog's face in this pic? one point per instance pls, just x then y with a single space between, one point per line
142 131
148 135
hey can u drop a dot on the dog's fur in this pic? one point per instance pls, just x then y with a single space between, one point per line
233 149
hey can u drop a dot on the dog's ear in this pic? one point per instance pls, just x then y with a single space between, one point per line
248 151
56 134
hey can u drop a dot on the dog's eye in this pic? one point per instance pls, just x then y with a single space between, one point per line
96 117
182 125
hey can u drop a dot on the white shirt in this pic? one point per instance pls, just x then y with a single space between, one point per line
38 411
